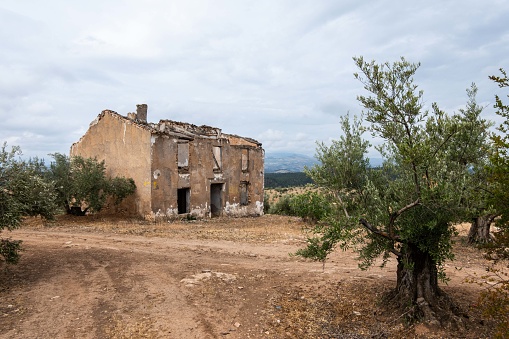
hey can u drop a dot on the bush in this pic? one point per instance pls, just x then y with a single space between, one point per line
82 184
282 206
266 203
23 192
311 206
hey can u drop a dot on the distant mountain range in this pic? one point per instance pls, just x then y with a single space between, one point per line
281 162
287 162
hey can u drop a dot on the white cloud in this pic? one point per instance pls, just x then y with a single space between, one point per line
277 71
271 135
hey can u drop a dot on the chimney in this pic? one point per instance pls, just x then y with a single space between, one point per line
141 112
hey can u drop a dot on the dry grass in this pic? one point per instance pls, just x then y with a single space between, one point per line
274 194
131 330
352 309
334 312
263 229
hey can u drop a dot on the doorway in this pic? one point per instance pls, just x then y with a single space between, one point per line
183 197
216 202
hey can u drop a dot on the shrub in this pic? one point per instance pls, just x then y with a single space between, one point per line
23 192
282 206
311 206
82 184
266 203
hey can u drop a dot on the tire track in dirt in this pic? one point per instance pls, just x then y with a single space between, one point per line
101 284
96 290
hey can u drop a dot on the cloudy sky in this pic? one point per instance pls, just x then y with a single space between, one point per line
278 71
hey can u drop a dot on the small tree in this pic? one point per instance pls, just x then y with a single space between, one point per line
23 192
82 185
473 147
407 207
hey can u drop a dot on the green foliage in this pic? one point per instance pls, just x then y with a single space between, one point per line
499 160
343 165
424 186
311 206
60 174
82 184
318 249
273 180
120 188
9 250
89 183
498 249
266 203
23 192
494 301
282 206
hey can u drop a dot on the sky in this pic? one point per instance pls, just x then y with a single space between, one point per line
278 71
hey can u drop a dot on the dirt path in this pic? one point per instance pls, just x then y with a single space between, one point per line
101 280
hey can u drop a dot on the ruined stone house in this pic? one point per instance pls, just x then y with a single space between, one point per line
178 168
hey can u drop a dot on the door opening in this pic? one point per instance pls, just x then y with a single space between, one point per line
244 195
183 197
216 202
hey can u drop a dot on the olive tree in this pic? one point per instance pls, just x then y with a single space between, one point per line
406 208
496 174
23 192
82 185
499 160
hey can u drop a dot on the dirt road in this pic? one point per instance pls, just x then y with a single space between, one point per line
223 278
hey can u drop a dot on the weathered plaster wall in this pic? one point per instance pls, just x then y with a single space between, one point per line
200 174
222 173
126 149
165 177
168 177
252 175
203 175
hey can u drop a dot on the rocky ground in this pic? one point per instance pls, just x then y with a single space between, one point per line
86 277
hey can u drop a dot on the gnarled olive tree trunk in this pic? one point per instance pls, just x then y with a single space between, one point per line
479 232
417 282
77 211
417 289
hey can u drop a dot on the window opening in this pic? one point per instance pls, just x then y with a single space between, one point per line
217 155
183 154
245 160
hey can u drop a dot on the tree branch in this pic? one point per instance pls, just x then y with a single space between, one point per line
407 207
396 214
385 235
375 230
395 252
342 205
